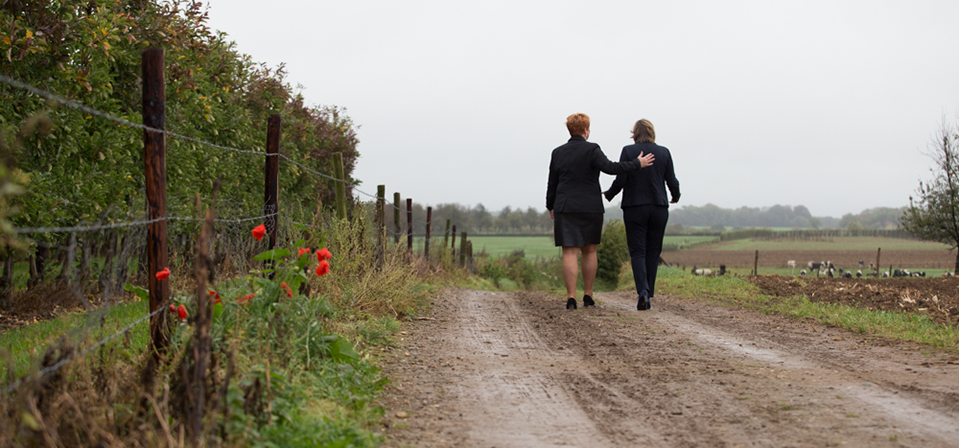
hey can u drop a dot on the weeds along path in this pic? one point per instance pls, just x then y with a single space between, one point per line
516 369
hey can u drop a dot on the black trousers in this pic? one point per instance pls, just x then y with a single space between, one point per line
645 227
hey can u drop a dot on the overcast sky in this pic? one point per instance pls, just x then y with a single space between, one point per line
826 104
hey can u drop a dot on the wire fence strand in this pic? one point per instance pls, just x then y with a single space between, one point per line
68 102
71 103
78 229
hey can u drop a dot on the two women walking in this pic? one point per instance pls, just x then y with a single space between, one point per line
574 199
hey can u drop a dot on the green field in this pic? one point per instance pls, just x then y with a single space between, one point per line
533 246
542 246
680 242
869 243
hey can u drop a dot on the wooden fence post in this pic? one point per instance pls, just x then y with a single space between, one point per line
397 206
756 264
154 156
271 199
462 249
878 252
340 174
380 224
446 234
409 226
453 244
429 232
202 320
469 256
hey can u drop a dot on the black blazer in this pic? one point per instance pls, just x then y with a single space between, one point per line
574 176
646 186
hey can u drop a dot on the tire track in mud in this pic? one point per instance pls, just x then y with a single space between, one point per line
516 369
518 400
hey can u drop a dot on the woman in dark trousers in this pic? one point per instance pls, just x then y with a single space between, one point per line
645 208
574 201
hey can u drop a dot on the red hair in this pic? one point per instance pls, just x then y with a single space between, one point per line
577 124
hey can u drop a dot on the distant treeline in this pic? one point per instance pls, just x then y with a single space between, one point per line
797 217
478 220
682 220
809 234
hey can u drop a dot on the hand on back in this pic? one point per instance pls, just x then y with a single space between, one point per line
645 160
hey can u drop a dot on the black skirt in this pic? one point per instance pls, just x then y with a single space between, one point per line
577 229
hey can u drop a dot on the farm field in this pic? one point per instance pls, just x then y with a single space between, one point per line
848 259
533 246
936 298
846 243
843 252
542 246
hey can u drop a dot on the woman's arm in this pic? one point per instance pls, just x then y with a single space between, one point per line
671 181
551 186
609 167
620 181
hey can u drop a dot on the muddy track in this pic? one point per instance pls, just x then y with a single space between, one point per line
516 369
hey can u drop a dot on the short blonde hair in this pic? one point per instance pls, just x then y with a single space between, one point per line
577 124
643 132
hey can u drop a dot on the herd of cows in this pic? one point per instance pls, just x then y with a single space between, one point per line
826 268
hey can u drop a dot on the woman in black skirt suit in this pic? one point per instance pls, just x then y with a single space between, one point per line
575 202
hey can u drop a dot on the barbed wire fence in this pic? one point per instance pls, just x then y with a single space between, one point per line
114 249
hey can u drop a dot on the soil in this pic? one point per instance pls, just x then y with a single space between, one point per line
496 369
936 297
910 259
43 302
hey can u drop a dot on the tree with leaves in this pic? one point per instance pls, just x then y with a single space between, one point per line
933 214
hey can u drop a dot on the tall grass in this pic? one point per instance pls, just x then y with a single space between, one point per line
286 371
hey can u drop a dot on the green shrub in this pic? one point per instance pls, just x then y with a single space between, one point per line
611 253
516 271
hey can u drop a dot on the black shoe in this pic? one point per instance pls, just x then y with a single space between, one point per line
588 301
571 304
643 303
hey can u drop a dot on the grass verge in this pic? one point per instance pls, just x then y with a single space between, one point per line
25 344
732 290
287 368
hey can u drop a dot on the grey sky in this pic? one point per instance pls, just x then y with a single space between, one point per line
825 104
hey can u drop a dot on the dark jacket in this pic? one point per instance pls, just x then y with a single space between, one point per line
646 186
574 176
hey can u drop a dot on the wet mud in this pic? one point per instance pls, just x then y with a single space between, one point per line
517 369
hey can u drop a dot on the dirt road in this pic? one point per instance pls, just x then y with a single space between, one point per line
516 369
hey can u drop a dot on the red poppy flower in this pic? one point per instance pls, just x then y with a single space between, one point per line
181 312
259 232
323 268
216 296
172 308
164 274
303 250
245 299
287 289
323 254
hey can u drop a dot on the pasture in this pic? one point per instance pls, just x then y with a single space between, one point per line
845 252
845 243
542 246
532 246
